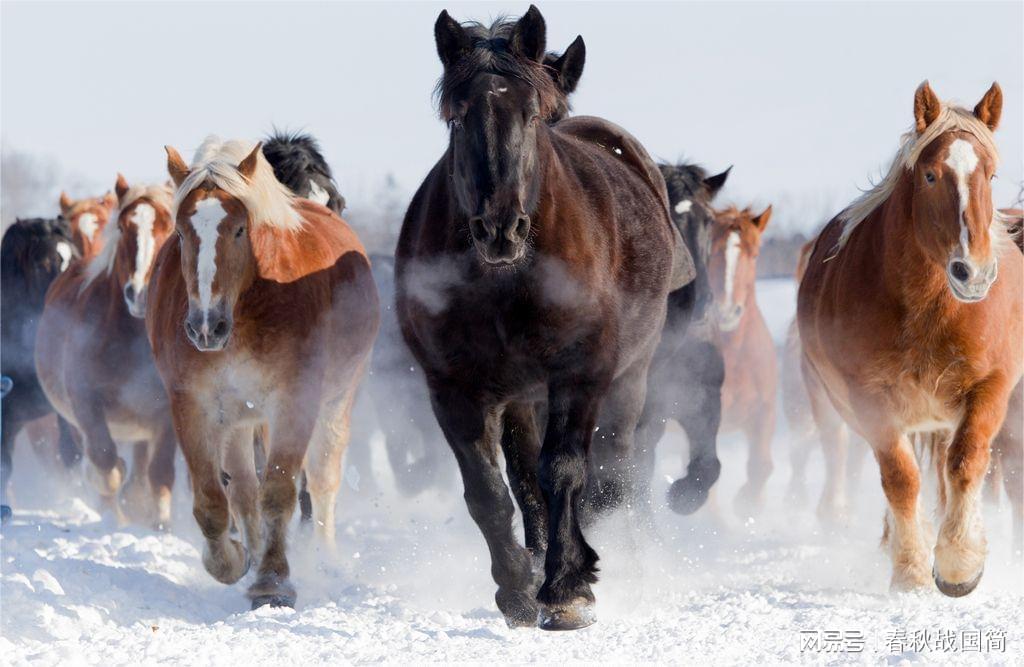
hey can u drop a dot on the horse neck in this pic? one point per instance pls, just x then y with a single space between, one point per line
910 276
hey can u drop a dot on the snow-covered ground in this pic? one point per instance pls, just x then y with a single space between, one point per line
411 582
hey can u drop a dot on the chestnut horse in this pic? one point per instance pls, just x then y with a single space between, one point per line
910 321
94 361
87 217
532 273
262 316
751 373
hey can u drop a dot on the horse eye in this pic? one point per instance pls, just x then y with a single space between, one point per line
930 177
239 232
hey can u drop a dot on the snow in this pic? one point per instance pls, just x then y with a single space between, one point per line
411 580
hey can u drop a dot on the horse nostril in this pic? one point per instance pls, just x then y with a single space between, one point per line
221 329
190 330
129 292
960 270
522 227
478 229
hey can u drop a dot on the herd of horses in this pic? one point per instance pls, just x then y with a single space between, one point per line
555 299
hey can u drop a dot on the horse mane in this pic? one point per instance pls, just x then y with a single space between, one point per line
683 180
300 165
103 262
490 54
911 146
267 200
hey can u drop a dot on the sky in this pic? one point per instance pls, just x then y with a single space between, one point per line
805 100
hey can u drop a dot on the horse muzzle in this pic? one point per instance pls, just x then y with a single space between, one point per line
209 331
968 282
500 244
135 300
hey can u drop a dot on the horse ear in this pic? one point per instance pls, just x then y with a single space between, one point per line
176 167
569 65
247 167
927 107
715 183
120 187
990 108
65 202
451 39
110 200
761 221
529 35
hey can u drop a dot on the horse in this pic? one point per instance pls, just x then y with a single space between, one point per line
32 254
685 379
395 394
751 369
532 269
299 164
87 217
263 316
910 321
95 365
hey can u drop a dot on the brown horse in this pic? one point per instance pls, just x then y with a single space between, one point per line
88 217
751 375
910 321
532 276
262 316
94 361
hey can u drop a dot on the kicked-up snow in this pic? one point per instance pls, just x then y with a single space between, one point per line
411 583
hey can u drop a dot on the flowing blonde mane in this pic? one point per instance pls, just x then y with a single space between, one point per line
264 197
911 146
103 262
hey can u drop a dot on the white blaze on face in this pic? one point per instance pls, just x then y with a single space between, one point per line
684 206
318 194
732 256
88 224
963 160
64 250
208 216
143 218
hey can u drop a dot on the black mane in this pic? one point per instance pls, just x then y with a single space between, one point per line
297 161
490 53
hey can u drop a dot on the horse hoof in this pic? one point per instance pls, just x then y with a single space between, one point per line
571 616
686 497
519 609
277 600
5 513
956 590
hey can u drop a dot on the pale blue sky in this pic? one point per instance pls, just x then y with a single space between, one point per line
807 100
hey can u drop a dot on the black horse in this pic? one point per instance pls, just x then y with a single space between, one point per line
33 252
533 269
300 165
685 382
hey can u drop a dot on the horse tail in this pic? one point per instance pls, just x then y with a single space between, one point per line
301 167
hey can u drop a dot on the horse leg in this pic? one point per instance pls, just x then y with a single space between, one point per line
799 453
70 452
161 475
700 415
242 486
901 482
570 564
834 443
402 438
107 470
10 425
201 442
750 498
290 435
136 496
324 465
520 442
961 548
472 431
1011 453
613 476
